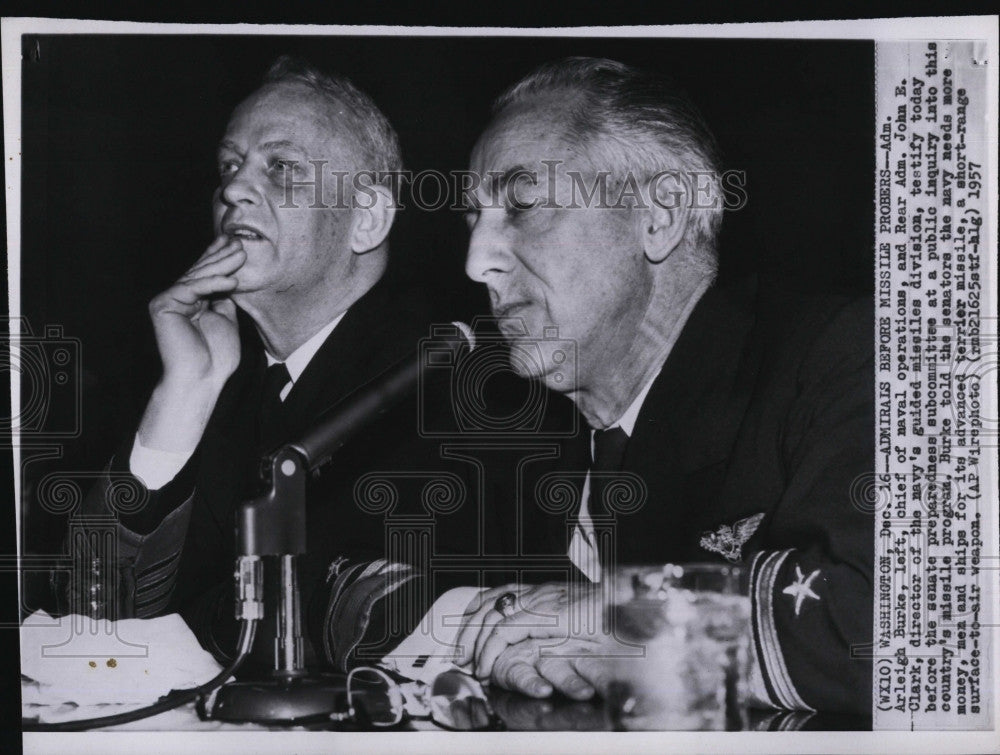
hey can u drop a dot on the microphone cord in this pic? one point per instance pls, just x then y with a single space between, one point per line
173 699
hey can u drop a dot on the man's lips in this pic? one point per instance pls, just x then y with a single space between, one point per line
511 322
510 309
243 232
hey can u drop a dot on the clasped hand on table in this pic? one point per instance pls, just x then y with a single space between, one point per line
551 641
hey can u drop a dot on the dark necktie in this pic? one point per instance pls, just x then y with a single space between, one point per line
609 451
276 377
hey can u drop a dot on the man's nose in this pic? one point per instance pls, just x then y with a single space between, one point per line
241 188
489 252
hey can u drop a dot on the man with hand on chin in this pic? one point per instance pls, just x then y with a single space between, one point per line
739 415
304 258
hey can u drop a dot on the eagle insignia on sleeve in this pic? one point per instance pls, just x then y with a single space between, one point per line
729 541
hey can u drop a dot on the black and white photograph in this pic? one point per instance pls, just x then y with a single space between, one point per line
381 387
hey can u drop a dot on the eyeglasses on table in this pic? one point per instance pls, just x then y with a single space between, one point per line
454 701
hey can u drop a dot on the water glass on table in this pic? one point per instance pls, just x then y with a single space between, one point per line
679 660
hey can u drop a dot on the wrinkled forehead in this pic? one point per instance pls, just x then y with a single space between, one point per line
530 143
527 133
292 112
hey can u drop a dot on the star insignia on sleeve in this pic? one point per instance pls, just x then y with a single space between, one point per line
729 541
801 588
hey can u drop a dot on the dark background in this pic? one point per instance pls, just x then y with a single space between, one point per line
118 166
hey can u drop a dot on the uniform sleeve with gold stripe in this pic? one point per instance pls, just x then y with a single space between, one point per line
136 537
811 583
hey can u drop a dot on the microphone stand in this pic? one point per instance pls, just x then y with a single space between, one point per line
274 524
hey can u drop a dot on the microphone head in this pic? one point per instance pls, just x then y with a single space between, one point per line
466 332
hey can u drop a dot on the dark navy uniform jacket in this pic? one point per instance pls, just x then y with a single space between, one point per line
755 445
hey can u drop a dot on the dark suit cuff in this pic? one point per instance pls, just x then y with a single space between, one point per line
811 631
369 608
146 517
779 690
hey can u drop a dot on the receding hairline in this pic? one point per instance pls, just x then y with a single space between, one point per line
537 108
557 106
308 94
338 123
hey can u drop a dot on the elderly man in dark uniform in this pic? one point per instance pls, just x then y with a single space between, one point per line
744 411
286 313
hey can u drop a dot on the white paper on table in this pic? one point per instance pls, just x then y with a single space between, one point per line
127 662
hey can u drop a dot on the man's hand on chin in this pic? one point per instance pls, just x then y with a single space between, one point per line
198 339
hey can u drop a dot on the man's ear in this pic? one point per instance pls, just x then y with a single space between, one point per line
374 212
665 219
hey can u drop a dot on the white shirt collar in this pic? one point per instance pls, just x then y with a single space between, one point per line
627 421
299 359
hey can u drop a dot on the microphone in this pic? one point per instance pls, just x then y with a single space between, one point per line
273 524
337 425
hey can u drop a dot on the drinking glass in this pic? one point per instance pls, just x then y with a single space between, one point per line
679 660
